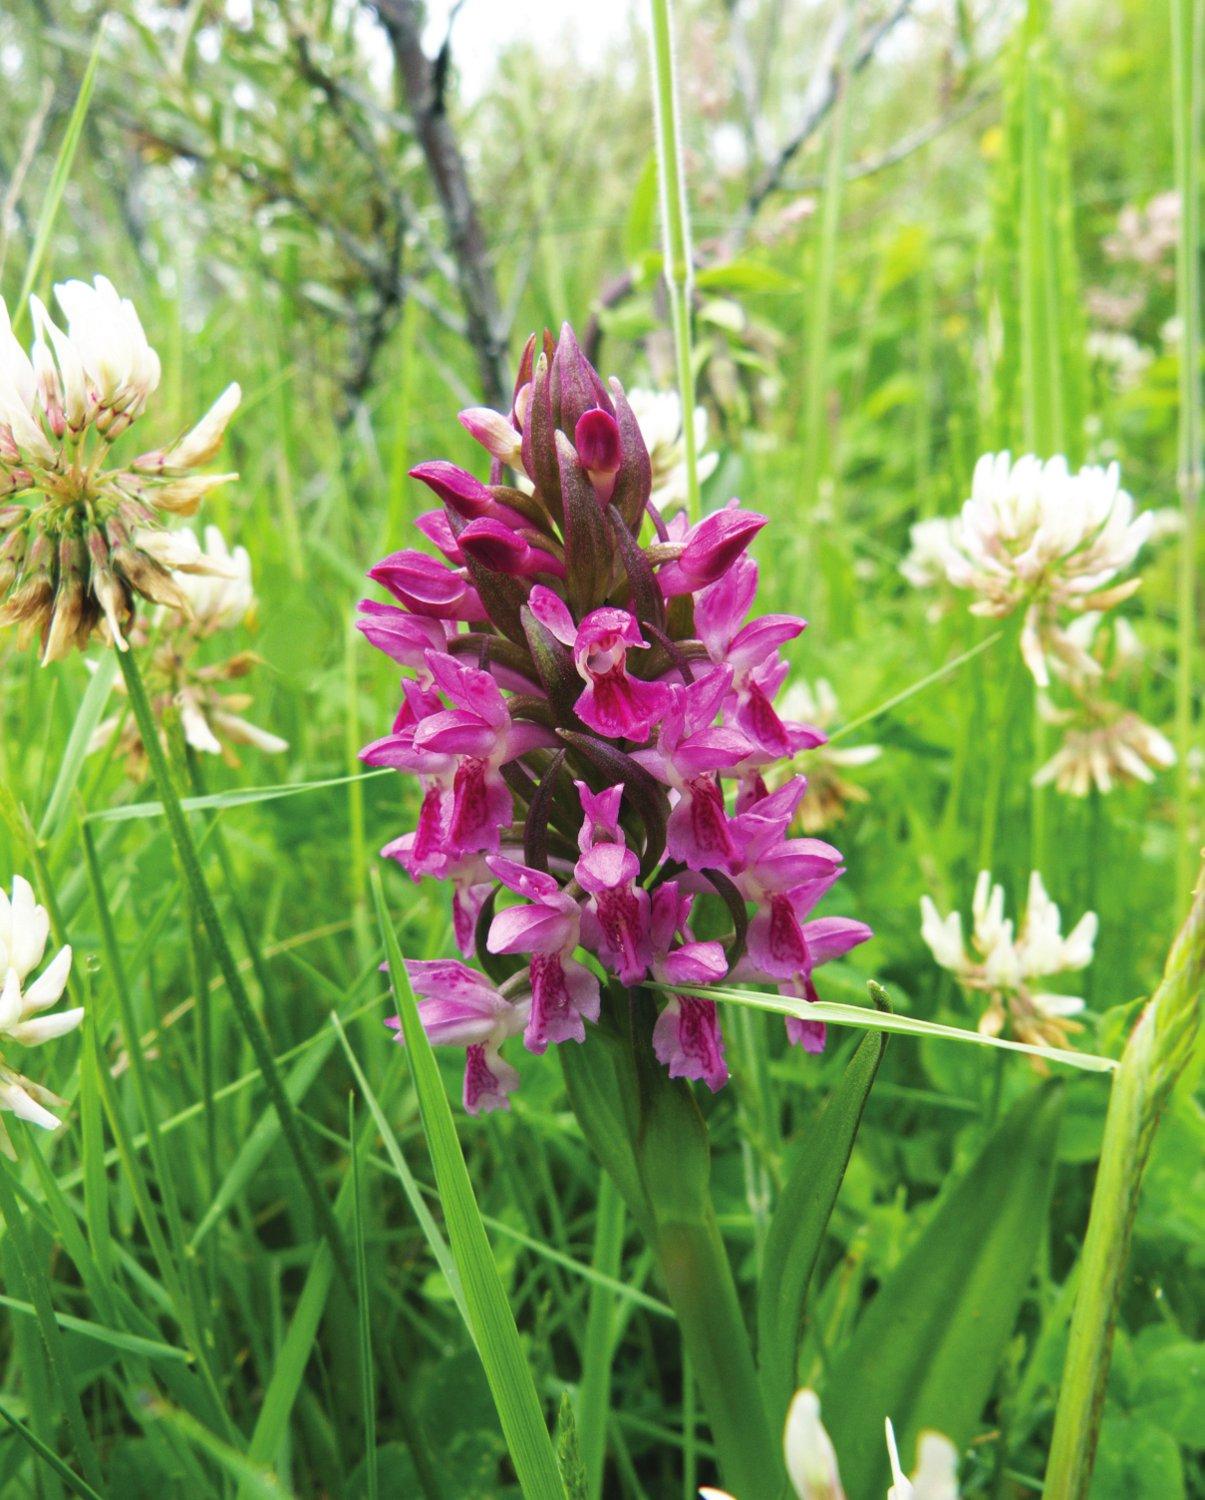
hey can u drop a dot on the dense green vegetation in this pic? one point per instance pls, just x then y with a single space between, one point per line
920 238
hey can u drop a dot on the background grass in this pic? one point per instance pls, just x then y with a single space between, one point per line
173 1322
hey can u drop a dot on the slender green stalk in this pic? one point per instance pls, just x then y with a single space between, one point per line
647 1132
1188 61
675 229
1158 1049
253 1029
998 761
820 309
37 1291
594 1394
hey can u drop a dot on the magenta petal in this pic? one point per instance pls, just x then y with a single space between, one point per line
833 937
488 1079
456 732
810 1035
696 964
775 941
564 995
469 688
688 1040
698 828
606 866
553 613
495 546
596 438
716 542
536 885
529 929
457 488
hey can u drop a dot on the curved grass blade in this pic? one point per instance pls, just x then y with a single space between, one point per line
862 1017
800 1219
493 1325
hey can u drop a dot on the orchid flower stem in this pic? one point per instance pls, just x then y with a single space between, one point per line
675 230
647 1132
253 1028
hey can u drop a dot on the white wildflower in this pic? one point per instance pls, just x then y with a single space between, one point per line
659 416
1121 354
74 547
812 1461
1037 537
24 929
1005 965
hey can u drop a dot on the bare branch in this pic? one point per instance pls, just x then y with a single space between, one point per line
423 79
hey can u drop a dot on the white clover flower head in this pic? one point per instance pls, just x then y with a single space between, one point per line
808 1449
24 929
72 528
659 417
1110 747
1035 536
1005 965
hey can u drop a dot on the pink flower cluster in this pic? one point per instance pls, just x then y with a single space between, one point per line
591 719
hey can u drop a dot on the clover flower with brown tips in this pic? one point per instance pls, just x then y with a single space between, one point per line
78 536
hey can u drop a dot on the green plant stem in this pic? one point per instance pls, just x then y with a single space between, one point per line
594 1401
675 229
647 1132
1188 60
997 760
821 303
1157 1051
253 1029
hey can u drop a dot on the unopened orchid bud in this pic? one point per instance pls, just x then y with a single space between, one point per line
597 440
456 487
496 435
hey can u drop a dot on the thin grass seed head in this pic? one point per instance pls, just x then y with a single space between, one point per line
24 1003
81 539
1005 964
589 710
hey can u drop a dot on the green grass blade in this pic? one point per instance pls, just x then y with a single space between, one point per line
594 1392
862 1017
48 1456
59 177
1158 1050
37 1290
364 1327
497 1338
235 797
90 710
800 1220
